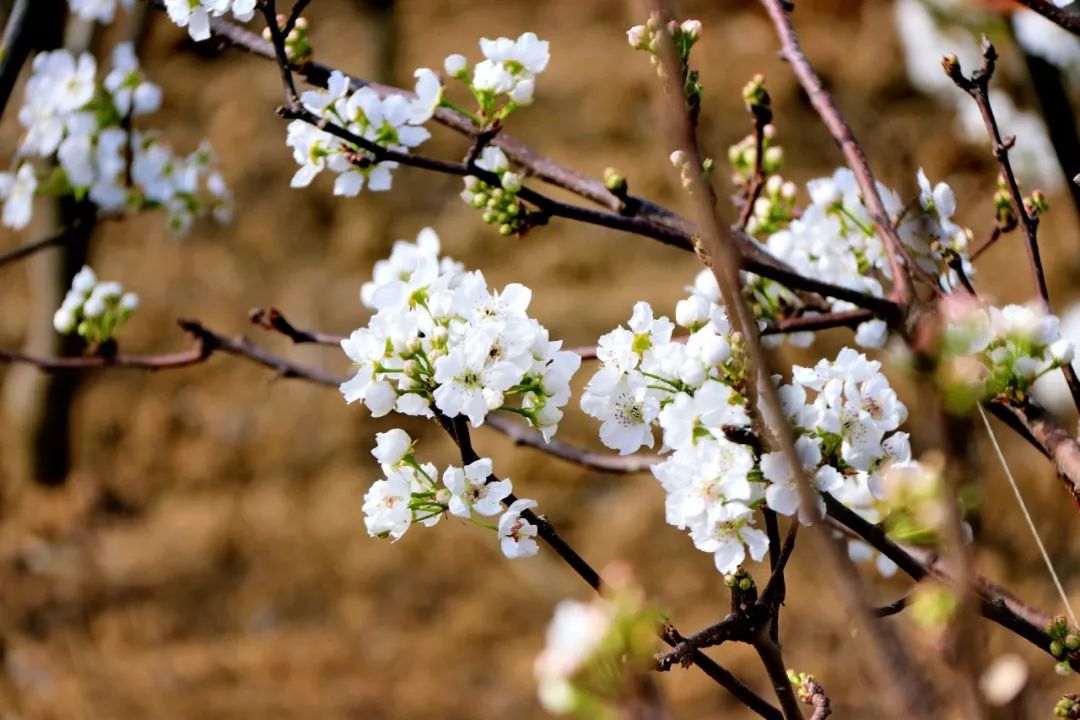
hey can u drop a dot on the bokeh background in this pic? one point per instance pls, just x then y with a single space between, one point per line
205 555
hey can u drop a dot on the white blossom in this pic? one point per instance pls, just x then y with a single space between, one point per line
516 534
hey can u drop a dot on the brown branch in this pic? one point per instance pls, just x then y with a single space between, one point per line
978 87
458 430
986 244
643 218
995 604
30 248
1055 441
1060 16
840 130
207 343
894 608
773 661
272 319
604 462
536 165
816 322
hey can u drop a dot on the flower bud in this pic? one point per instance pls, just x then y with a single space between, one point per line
63 321
511 182
94 307
691 28
129 302
826 193
1062 352
84 281
456 65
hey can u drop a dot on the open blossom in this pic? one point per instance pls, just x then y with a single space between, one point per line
441 340
195 14
413 493
835 239
392 122
511 66
516 534
471 492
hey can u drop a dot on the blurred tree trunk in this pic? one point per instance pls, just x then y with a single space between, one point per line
38 406
380 14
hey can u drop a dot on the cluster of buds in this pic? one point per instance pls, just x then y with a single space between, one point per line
757 100
500 204
1068 706
647 38
684 35
1064 643
743 156
298 47
743 590
95 310
774 208
681 162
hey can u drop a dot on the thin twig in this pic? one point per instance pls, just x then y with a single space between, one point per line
978 87
1054 14
272 319
30 248
840 130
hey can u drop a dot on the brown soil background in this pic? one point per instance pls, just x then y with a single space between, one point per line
207 557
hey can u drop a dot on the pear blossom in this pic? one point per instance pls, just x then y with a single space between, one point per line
392 447
442 341
516 534
392 122
195 14
471 492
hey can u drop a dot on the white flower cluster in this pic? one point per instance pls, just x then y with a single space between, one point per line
847 419
195 14
694 391
101 10
413 493
509 68
393 122
96 309
1000 351
844 411
441 340
67 115
835 240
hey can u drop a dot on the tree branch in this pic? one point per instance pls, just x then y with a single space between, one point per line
845 138
978 87
1054 14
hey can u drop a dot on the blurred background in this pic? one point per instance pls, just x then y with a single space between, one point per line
190 543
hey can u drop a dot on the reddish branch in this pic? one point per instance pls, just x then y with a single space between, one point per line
633 215
845 138
978 87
